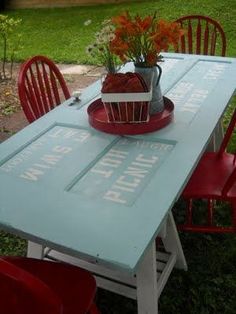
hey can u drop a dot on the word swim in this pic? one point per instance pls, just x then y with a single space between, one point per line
40 156
45 162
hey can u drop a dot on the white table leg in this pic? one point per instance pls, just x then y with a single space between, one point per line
147 297
217 138
172 243
34 250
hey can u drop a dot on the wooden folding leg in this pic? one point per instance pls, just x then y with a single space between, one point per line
216 138
172 243
147 296
150 279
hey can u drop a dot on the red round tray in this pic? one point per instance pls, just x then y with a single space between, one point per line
98 120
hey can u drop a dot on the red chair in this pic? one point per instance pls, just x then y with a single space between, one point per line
203 35
41 287
214 179
41 87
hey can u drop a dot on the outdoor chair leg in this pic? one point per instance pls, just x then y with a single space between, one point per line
210 212
93 309
234 215
189 217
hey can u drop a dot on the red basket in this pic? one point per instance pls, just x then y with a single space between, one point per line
128 107
121 110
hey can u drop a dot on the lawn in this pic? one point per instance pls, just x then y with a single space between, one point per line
61 34
209 285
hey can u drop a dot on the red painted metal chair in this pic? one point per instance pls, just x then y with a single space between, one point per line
41 287
203 35
41 87
214 179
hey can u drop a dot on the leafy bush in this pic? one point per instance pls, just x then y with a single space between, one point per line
8 26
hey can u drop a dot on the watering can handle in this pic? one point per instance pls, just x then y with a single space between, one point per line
159 76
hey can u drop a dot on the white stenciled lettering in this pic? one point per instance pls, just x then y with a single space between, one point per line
215 72
50 159
113 159
132 178
139 164
42 166
117 153
62 149
57 133
70 133
136 172
151 160
158 146
193 103
21 157
48 162
189 108
180 92
104 173
12 164
114 196
32 174
82 136
124 180
110 162
36 145
122 188
65 133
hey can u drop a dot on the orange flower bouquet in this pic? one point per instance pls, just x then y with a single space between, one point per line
141 40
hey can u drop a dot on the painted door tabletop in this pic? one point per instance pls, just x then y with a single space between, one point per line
104 197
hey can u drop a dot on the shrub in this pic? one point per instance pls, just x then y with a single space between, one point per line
10 44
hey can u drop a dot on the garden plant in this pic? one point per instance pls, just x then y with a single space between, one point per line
9 45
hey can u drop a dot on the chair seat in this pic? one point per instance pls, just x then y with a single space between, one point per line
210 176
75 287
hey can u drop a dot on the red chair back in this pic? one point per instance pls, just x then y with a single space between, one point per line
22 292
228 134
203 35
41 87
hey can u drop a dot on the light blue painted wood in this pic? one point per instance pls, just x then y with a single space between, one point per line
104 197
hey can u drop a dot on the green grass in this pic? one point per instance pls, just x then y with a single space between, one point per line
209 285
11 244
61 35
